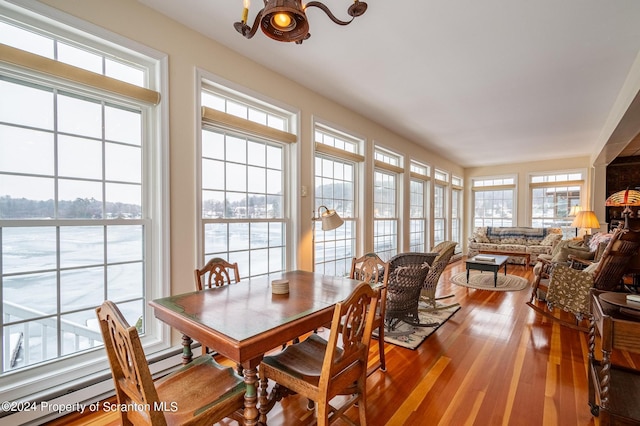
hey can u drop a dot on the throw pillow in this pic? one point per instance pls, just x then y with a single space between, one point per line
549 239
591 268
579 252
480 235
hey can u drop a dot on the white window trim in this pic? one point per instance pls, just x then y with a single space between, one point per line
44 379
292 162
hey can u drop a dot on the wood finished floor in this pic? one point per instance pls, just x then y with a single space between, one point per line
495 362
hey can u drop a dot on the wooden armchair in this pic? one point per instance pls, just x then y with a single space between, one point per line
370 268
217 271
568 288
202 392
319 370
406 278
445 251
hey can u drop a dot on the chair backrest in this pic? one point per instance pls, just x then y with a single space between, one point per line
406 278
445 252
217 274
131 375
370 268
347 351
622 248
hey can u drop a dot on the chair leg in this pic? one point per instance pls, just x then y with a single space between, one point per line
383 365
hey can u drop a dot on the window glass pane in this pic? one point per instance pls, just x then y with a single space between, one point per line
28 249
81 246
79 157
123 163
79 116
215 238
79 58
41 289
81 288
121 125
122 281
123 201
120 71
26 197
26 105
17 148
124 243
26 40
79 199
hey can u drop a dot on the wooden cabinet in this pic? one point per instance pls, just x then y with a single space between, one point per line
614 391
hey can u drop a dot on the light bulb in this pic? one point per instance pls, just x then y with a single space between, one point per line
281 20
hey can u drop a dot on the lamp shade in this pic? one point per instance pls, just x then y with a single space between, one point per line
330 219
574 211
585 219
628 197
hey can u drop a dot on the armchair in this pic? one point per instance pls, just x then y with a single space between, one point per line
568 288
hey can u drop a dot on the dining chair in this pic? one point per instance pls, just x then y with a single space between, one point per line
201 392
320 369
218 271
370 268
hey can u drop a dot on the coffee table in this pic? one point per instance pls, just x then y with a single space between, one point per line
485 265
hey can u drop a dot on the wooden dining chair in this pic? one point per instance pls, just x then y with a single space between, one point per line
201 392
319 370
218 272
370 268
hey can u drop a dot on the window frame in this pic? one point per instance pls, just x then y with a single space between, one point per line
494 184
554 180
344 149
286 138
388 163
50 376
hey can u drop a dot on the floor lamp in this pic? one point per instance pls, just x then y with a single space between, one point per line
573 213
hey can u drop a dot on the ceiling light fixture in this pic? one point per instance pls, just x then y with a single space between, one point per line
285 20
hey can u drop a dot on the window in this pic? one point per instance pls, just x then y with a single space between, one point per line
493 201
243 175
552 196
80 194
440 206
385 203
419 194
456 211
335 188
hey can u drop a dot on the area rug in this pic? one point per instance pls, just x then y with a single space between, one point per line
484 281
409 336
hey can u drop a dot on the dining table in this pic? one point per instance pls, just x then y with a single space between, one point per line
245 320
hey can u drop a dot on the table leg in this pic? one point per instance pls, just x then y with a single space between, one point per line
495 278
468 275
187 355
250 396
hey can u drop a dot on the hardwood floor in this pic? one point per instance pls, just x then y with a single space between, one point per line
495 362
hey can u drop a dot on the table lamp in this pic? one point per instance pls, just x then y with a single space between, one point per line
626 198
586 219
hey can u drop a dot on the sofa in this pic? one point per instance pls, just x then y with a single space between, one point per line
534 241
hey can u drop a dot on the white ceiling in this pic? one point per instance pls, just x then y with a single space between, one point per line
480 82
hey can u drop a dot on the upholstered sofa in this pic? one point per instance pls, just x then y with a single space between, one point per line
534 241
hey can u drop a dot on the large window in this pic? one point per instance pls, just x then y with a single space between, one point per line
419 194
80 198
335 188
552 196
456 211
385 203
440 213
243 175
493 201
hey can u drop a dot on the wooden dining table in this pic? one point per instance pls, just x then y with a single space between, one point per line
243 321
